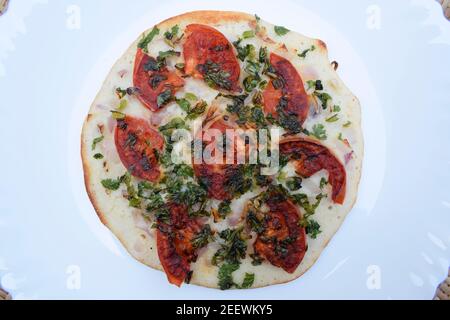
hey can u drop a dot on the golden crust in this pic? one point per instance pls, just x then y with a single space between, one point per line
210 18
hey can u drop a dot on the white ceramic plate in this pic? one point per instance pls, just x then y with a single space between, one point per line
54 56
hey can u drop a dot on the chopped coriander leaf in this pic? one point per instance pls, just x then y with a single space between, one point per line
256 259
117 115
197 111
318 131
233 249
190 96
204 237
188 194
255 222
98 156
257 117
162 215
316 84
294 183
132 194
243 51
336 108
281 31
170 35
253 68
154 64
324 98
238 182
214 75
248 34
250 83
225 275
249 279
146 39
175 123
183 170
155 202
121 92
302 200
97 140
180 66
164 98
263 55
168 53
184 104
313 228
340 136
287 121
145 189
323 183
224 208
122 105
347 124
305 52
112 184
333 118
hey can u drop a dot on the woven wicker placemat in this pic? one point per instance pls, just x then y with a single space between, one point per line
3 6
443 291
4 295
446 7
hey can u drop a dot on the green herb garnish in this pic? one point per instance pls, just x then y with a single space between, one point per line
333 118
214 75
96 141
281 31
294 183
204 237
323 183
305 52
197 111
234 248
313 228
225 275
224 208
117 115
164 98
249 279
318 131
347 124
146 39
248 34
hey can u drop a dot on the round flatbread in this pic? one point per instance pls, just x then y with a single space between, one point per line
223 225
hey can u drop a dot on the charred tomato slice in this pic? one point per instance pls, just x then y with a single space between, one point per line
209 55
152 79
311 157
286 93
221 180
137 144
174 242
282 241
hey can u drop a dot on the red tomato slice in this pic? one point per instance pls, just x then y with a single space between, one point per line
311 157
174 242
136 142
283 241
151 83
292 89
205 46
215 177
